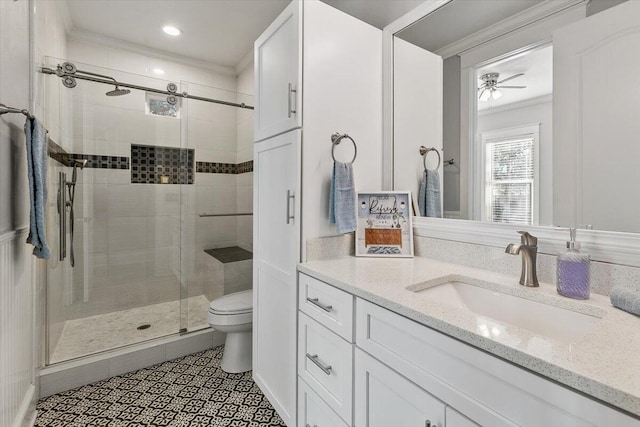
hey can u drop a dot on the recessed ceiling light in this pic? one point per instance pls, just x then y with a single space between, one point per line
158 71
171 30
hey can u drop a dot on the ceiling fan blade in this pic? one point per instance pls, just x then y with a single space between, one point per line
512 77
511 87
482 87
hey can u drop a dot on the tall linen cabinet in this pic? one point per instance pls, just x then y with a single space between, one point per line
317 71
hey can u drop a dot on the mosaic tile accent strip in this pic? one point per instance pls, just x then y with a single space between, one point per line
102 162
190 391
230 168
245 167
59 154
213 167
161 165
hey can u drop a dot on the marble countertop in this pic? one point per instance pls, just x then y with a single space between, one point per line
603 363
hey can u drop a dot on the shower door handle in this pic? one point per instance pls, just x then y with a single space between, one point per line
62 214
290 110
290 195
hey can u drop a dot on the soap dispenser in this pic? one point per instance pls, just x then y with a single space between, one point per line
573 270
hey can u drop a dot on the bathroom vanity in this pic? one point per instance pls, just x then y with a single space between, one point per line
419 342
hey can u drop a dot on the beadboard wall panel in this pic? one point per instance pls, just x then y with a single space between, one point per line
17 374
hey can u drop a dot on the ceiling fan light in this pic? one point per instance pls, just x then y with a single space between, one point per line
495 94
484 95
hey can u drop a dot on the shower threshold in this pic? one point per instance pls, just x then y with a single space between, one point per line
95 334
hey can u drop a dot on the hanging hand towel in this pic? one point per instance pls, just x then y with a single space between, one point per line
342 199
429 194
36 137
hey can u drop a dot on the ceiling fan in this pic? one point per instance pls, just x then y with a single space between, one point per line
490 85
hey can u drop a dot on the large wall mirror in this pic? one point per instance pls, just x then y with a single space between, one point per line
529 112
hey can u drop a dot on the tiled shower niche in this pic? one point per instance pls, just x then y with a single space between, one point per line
161 165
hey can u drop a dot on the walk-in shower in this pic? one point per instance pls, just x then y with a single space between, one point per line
158 178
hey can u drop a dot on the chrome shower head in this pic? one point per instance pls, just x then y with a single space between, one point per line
118 92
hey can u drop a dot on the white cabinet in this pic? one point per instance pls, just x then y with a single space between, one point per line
341 58
408 375
276 237
277 89
385 398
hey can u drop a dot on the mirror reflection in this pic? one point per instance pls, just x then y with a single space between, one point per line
530 105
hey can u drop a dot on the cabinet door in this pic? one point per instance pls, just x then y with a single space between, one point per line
276 252
384 398
277 75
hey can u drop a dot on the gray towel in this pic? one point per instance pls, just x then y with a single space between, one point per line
625 299
36 136
342 200
429 194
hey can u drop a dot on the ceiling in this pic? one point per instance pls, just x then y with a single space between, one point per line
537 66
220 32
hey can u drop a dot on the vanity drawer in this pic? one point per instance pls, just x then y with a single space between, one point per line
326 304
312 411
325 362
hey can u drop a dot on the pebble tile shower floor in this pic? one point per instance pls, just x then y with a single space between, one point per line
190 391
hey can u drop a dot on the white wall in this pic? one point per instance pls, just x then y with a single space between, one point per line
18 339
344 104
417 106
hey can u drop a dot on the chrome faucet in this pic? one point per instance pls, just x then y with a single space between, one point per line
528 247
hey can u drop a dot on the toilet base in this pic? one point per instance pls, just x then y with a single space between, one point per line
238 348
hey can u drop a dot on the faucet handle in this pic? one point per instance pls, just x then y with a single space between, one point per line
528 239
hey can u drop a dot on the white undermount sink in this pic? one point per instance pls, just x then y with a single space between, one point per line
542 319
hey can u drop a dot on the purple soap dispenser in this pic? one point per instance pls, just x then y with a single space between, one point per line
573 270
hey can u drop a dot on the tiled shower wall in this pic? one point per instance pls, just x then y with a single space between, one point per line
134 241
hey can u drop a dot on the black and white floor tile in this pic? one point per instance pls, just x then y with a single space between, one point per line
191 391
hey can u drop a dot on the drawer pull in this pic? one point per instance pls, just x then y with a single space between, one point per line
314 359
315 302
315 425
428 424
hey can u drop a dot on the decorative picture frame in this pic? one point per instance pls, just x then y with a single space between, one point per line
384 224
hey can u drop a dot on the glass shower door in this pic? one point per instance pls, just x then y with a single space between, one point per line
216 220
125 286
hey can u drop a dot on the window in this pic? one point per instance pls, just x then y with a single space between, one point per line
157 105
511 175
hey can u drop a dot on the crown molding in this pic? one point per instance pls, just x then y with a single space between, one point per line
85 36
522 19
518 104
244 62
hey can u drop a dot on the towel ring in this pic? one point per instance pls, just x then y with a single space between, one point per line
336 138
424 152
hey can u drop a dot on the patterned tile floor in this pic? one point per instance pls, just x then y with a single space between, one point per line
190 391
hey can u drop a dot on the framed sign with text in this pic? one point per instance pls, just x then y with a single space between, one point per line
384 224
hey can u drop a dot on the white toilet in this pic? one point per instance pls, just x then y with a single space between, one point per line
233 314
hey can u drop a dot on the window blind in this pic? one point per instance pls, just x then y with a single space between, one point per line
510 180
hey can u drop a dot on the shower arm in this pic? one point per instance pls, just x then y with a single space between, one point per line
111 81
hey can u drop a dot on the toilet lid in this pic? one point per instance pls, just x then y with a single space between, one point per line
237 302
